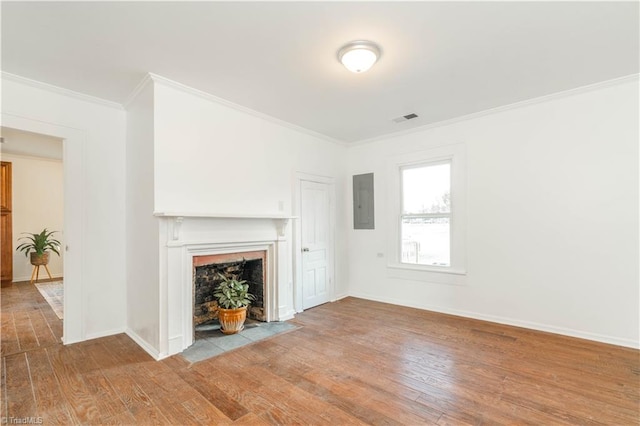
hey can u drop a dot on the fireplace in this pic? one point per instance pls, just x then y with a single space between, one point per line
248 266
231 243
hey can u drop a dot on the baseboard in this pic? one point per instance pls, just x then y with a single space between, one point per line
289 315
175 346
28 277
341 296
92 336
144 344
106 333
510 321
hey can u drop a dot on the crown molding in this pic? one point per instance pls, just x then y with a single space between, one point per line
59 90
138 89
513 106
204 95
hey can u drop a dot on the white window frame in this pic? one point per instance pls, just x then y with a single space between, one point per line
404 215
455 154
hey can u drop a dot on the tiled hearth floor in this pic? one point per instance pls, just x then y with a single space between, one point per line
212 342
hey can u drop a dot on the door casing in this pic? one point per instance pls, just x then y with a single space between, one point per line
75 299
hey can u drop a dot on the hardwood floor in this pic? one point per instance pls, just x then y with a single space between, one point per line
352 362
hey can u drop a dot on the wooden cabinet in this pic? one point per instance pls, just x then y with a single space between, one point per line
6 227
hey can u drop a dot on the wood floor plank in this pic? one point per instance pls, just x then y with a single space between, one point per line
405 412
20 395
45 384
219 399
205 413
107 399
9 343
330 396
3 387
124 418
242 386
446 420
57 416
24 329
41 329
138 403
551 401
251 419
167 393
298 406
173 385
81 402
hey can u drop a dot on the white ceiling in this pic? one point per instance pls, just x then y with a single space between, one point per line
440 60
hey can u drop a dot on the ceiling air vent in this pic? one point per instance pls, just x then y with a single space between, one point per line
405 118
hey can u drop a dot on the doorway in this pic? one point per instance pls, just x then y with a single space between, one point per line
37 189
73 142
316 241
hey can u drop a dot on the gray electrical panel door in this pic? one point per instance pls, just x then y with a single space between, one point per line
363 214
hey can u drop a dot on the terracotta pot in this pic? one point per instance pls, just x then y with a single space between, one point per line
232 320
39 259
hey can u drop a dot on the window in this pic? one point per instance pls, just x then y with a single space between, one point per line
425 220
427 215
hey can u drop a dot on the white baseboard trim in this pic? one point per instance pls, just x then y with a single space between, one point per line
144 345
289 315
70 342
629 343
341 296
175 346
105 333
40 277
97 335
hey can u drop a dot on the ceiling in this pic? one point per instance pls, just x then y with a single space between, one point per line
440 60
30 144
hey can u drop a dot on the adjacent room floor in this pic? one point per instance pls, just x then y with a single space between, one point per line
350 362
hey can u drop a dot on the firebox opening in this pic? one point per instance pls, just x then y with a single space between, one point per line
206 280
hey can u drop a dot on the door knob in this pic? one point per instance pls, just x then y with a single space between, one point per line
305 249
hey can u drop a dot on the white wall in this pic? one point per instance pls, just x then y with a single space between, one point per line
552 217
38 203
94 162
212 158
142 242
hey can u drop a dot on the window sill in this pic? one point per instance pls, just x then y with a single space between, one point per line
427 274
425 268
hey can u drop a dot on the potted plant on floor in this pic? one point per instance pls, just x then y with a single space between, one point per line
38 245
233 298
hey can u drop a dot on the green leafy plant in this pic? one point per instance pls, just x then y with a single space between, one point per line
39 243
232 293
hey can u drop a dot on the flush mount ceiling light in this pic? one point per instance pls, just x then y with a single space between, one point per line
359 56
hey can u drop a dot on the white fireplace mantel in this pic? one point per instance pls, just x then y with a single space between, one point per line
281 221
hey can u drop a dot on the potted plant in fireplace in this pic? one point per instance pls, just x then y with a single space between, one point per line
233 298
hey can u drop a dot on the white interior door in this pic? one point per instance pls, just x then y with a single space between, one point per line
315 233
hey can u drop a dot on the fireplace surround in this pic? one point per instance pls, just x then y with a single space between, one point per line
186 241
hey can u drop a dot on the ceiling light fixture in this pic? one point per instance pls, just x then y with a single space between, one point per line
359 56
